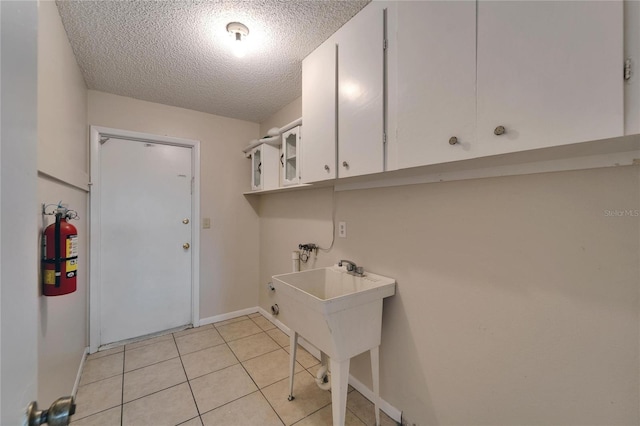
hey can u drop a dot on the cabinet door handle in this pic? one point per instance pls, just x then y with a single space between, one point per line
260 167
345 164
453 140
281 161
500 130
326 167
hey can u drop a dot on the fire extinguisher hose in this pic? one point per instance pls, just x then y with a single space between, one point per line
57 249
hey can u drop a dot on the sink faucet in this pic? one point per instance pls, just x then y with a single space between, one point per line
352 267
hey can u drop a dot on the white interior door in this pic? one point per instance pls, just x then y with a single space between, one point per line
145 228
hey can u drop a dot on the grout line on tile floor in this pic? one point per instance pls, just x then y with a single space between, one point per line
124 354
209 372
149 365
258 387
204 328
257 356
196 417
154 392
248 335
272 407
193 352
73 420
188 381
100 379
229 402
146 342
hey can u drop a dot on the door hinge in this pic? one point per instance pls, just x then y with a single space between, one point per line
193 179
384 44
627 69
384 138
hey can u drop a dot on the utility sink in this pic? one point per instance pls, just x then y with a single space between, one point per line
338 312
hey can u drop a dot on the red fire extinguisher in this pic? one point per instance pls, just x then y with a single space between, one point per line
60 255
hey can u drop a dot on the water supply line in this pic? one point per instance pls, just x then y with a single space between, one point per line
333 223
307 249
295 260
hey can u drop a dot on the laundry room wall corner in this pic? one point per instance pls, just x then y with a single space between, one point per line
229 248
62 176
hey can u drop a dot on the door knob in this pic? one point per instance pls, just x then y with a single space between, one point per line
186 246
185 221
57 415
453 140
499 130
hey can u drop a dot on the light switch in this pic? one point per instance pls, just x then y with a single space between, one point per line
206 223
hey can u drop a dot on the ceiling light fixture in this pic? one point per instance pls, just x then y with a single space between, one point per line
239 32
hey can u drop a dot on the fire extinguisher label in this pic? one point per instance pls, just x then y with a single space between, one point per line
72 246
72 256
49 277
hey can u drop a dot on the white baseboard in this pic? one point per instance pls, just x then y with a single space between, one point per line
77 382
229 315
391 411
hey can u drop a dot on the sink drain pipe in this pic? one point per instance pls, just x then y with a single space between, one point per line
322 378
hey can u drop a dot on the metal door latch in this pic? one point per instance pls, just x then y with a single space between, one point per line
57 415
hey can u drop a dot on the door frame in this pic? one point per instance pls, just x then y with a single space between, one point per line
96 134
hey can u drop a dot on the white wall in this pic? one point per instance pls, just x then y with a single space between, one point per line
229 250
517 298
288 113
62 176
19 243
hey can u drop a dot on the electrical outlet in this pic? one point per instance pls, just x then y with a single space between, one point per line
206 223
342 229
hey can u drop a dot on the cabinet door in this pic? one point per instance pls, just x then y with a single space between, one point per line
289 157
319 113
436 43
549 72
256 168
360 94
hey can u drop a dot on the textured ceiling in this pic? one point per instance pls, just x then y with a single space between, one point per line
177 52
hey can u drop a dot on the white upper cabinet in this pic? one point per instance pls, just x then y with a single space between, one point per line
319 113
436 61
290 157
343 100
264 167
361 93
461 80
549 73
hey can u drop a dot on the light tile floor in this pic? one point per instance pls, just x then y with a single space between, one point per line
232 372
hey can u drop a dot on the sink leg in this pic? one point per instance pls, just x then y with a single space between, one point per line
293 348
375 374
339 385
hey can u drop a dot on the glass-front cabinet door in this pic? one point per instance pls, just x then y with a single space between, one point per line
256 169
290 157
